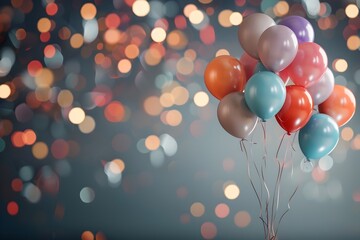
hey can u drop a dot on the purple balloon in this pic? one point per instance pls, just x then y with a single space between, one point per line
300 26
277 47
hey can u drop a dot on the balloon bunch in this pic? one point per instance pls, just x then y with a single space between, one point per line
282 74
257 85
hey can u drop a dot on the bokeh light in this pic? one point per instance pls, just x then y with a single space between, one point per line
141 8
231 191
197 209
76 115
242 219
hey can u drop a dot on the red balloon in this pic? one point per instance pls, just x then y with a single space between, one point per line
309 64
284 76
296 110
340 105
223 75
249 64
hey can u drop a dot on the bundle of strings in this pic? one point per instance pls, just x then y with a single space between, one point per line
269 201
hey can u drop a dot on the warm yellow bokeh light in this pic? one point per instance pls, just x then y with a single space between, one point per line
236 18
197 209
205 1
188 9
132 51
347 134
167 100
281 8
352 11
221 52
76 115
232 191
190 54
340 65
180 95
152 106
353 42
185 66
177 40
124 66
201 99
117 166
40 150
152 142
224 18
44 25
44 78
88 125
88 11
43 94
112 36
158 34
173 118
5 91
76 40
152 57
196 17
65 98
355 143
141 8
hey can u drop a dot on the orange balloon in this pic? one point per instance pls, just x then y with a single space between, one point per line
223 75
340 105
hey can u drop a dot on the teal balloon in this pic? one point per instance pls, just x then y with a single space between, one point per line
260 67
265 94
319 136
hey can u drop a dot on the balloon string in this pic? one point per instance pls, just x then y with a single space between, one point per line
291 154
267 190
277 188
283 165
243 149
263 125
278 150
288 209
293 142
251 157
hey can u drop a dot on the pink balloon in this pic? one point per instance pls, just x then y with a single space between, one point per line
309 64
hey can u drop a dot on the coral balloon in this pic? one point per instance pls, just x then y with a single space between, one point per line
265 94
235 116
340 105
249 64
309 64
319 136
296 111
300 26
250 31
322 89
284 76
223 75
277 47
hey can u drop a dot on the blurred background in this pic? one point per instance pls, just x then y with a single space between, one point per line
107 130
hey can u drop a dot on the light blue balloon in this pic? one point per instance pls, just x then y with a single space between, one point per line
319 136
265 94
260 67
